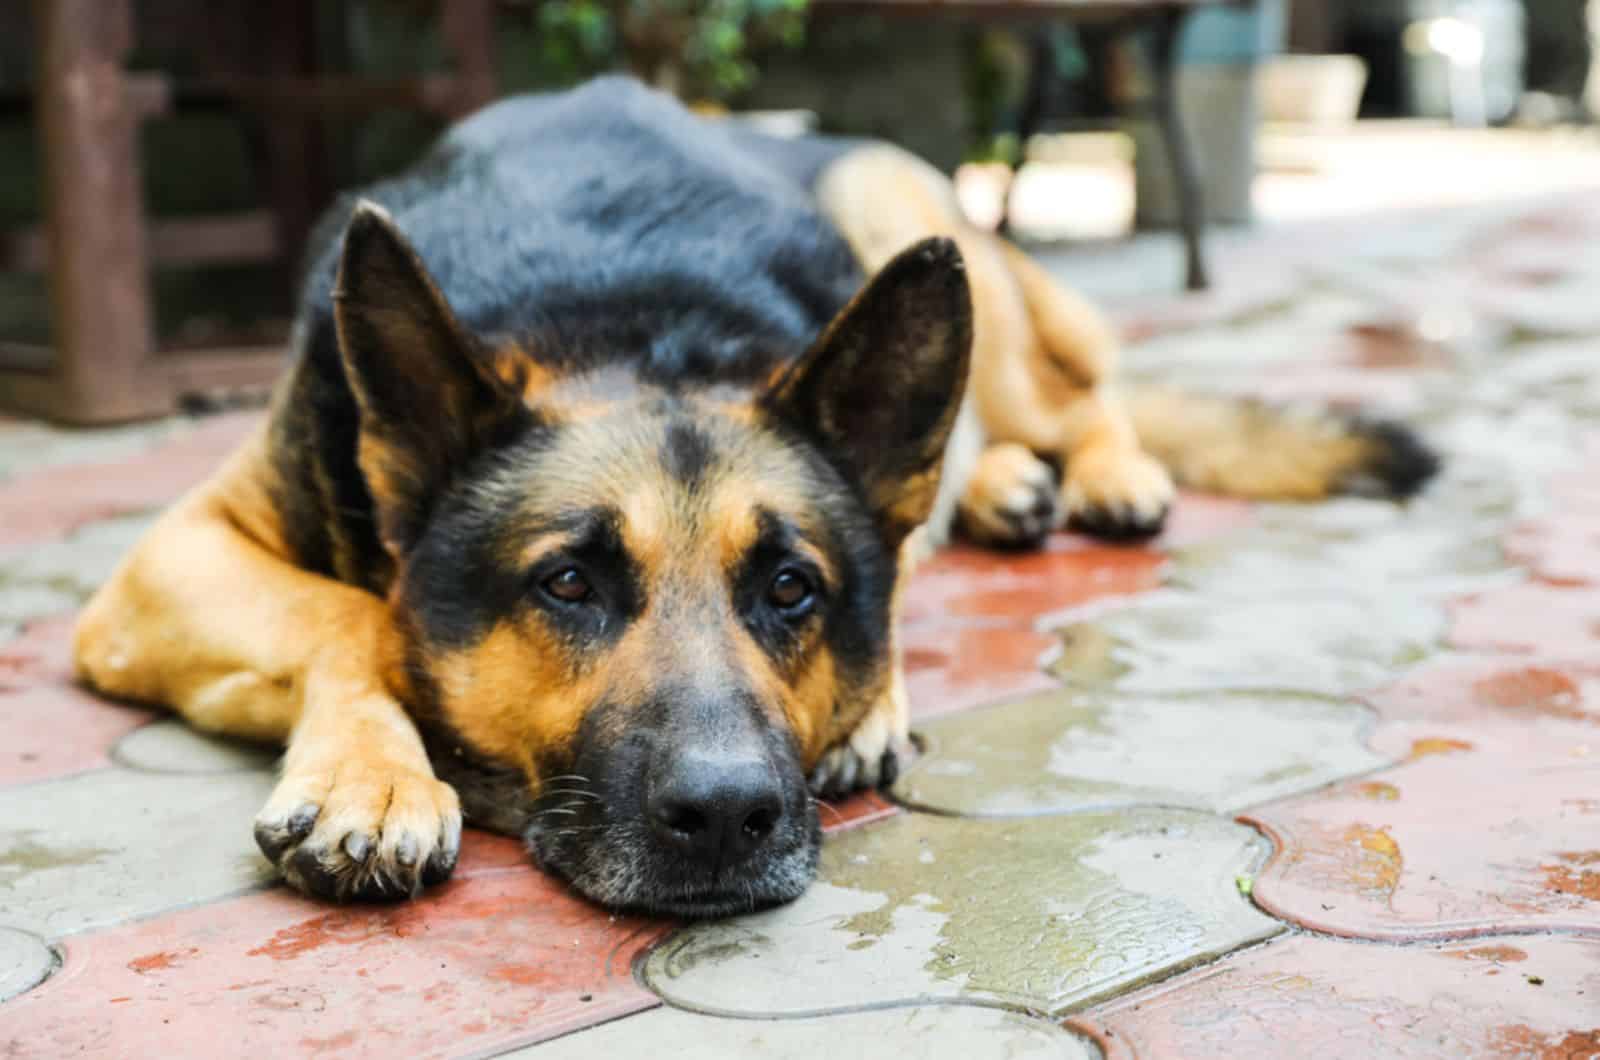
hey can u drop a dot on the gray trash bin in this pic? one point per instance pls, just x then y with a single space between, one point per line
1217 96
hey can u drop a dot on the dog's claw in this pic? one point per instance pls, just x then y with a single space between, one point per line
276 837
1119 523
377 832
356 846
843 771
889 768
1012 502
1117 495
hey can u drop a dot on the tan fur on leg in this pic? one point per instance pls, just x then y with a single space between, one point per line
205 616
880 745
1011 499
1042 363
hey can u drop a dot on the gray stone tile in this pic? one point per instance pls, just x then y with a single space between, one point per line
29 445
102 847
1063 752
25 962
1332 643
57 577
1346 544
1042 914
1517 438
929 1032
170 746
1230 356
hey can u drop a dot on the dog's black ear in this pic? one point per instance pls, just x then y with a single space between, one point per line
881 387
427 396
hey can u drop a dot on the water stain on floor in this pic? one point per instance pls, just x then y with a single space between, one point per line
1073 751
1042 914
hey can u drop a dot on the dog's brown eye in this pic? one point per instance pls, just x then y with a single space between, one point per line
568 585
790 591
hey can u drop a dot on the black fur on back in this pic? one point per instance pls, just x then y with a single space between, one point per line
606 224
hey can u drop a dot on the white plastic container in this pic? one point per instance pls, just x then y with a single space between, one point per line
1318 90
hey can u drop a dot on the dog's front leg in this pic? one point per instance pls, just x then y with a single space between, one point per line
358 811
873 753
206 618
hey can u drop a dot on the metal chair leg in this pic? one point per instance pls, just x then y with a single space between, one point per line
1180 150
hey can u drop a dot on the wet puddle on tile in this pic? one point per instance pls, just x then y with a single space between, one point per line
1071 751
1513 996
931 1032
1041 914
1174 641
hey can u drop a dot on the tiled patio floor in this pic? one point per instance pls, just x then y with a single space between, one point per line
1317 781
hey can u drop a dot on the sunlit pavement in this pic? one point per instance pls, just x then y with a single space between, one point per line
1322 778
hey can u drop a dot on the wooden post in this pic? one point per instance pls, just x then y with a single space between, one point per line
468 30
297 161
99 290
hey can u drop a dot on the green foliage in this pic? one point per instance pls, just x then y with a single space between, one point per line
699 48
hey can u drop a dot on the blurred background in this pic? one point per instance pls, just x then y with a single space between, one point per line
162 161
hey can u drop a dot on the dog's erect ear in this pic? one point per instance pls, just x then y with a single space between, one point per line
881 387
428 400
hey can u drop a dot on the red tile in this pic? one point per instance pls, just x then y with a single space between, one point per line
483 853
1486 827
1577 493
1200 516
976 587
954 669
967 586
1245 291
857 810
969 628
48 726
51 730
1527 997
1467 690
490 961
1564 548
52 502
500 956
1389 343
1555 620
1340 386
41 654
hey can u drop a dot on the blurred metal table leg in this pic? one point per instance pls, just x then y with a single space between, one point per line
1168 25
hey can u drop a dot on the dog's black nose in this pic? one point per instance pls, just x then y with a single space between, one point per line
717 810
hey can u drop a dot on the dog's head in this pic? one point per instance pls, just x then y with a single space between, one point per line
633 618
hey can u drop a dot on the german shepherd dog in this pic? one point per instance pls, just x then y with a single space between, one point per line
611 436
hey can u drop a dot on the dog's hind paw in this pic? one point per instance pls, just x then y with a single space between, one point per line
361 831
1010 501
1117 494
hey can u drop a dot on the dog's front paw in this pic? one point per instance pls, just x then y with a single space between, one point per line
361 830
871 758
1010 501
1118 494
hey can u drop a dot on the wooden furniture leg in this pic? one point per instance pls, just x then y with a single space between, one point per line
88 120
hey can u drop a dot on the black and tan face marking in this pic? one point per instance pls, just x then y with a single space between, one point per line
636 617
672 611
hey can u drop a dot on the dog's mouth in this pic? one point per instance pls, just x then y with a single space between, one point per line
689 806
619 862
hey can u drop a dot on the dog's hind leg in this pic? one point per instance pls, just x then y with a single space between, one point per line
207 617
1039 385
1058 397
1043 363
882 200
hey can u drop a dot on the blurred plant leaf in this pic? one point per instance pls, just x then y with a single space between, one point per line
700 48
